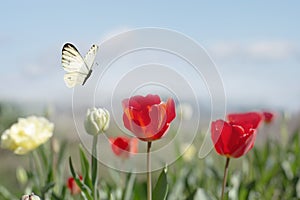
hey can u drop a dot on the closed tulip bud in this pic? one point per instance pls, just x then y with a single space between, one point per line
97 121
21 175
30 197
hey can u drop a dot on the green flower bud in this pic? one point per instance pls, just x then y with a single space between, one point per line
96 121
21 175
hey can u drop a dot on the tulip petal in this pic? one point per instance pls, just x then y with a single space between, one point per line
253 118
139 102
171 114
220 130
148 100
158 120
131 124
125 103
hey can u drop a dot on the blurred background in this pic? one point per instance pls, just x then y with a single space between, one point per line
255 46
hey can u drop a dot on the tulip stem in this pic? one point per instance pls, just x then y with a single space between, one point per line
95 166
149 187
225 177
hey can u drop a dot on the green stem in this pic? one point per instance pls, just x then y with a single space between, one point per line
38 165
225 177
95 167
149 187
33 168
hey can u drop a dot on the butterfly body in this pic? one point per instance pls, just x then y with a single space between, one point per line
78 69
87 76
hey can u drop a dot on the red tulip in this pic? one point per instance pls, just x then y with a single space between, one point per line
268 117
252 119
231 139
123 146
148 118
73 187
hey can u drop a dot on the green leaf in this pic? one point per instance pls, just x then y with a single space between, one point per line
61 154
85 191
245 191
85 167
59 168
140 191
55 197
161 189
127 195
47 187
6 194
42 153
62 195
115 177
50 175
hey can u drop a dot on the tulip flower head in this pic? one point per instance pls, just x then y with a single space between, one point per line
96 121
124 146
72 185
236 137
27 134
148 118
232 140
268 117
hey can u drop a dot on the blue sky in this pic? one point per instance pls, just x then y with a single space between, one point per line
255 45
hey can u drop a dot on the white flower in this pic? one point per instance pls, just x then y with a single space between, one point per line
27 134
30 197
96 121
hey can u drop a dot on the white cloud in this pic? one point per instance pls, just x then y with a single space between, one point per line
268 51
272 50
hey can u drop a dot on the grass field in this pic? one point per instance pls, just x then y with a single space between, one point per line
271 170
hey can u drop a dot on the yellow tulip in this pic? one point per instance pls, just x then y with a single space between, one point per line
27 134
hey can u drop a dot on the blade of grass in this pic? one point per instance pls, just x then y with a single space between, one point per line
127 195
85 191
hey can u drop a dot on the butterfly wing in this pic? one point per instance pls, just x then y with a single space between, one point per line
78 69
74 65
90 56
74 78
72 61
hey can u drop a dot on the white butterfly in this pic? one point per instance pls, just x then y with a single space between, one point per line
78 69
